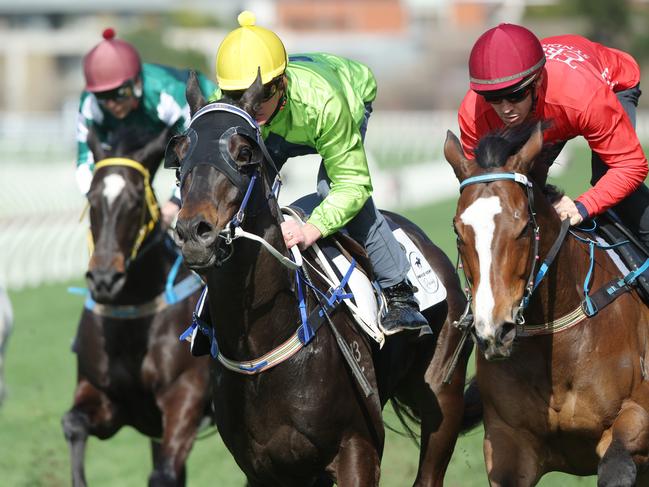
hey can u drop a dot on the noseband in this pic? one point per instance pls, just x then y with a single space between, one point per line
534 278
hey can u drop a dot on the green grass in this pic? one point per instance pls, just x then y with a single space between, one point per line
40 371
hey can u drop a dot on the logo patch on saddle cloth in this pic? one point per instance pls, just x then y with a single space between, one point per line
430 289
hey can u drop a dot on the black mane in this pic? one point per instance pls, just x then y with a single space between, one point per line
126 140
495 148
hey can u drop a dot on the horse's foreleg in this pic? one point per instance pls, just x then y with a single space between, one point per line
441 408
91 413
182 407
75 430
440 427
510 456
626 445
357 464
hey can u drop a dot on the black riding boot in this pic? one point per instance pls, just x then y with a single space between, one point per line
403 310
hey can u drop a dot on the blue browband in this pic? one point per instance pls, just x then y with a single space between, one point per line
487 178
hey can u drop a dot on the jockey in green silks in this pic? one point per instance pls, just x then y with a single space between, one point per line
121 91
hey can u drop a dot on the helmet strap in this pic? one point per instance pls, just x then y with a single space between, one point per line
281 103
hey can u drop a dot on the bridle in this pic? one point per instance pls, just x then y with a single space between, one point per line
244 179
149 214
534 278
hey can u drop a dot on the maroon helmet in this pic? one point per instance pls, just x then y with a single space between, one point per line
110 64
507 56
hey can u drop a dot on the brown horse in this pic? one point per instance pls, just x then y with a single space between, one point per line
131 368
570 392
305 421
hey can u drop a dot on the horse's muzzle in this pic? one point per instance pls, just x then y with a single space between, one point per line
500 345
197 240
105 284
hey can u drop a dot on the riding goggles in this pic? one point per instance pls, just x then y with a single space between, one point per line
515 97
120 93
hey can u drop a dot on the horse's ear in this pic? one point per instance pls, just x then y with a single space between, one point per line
524 159
151 154
252 97
193 94
455 156
94 144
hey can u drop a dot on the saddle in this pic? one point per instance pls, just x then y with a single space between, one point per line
628 249
366 301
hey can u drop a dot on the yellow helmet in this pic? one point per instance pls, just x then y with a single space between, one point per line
246 49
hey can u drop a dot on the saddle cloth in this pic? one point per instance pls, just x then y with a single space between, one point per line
368 303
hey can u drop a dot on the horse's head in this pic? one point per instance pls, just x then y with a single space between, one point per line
496 229
219 159
123 208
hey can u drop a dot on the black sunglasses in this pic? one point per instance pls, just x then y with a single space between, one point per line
516 97
118 94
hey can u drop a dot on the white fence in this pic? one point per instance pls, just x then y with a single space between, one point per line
42 239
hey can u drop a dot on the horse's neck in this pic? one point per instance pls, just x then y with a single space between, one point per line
251 297
559 291
147 275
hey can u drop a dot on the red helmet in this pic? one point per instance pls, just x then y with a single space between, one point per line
110 64
507 56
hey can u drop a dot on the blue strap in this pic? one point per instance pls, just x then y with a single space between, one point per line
590 309
339 293
170 295
79 291
238 218
307 333
486 178
205 328
632 276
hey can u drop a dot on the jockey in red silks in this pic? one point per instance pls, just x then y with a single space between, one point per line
581 88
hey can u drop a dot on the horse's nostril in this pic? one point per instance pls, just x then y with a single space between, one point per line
205 231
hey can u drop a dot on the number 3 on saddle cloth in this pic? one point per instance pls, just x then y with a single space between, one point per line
363 297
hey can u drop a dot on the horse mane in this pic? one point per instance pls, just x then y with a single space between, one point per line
126 140
553 193
497 146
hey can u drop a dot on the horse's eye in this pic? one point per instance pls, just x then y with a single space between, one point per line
244 155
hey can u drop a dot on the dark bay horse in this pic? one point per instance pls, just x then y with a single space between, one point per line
305 421
131 368
569 392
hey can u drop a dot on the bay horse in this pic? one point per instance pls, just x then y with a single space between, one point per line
563 388
131 368
305 421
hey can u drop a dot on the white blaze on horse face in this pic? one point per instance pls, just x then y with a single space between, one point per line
113 186
480 215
